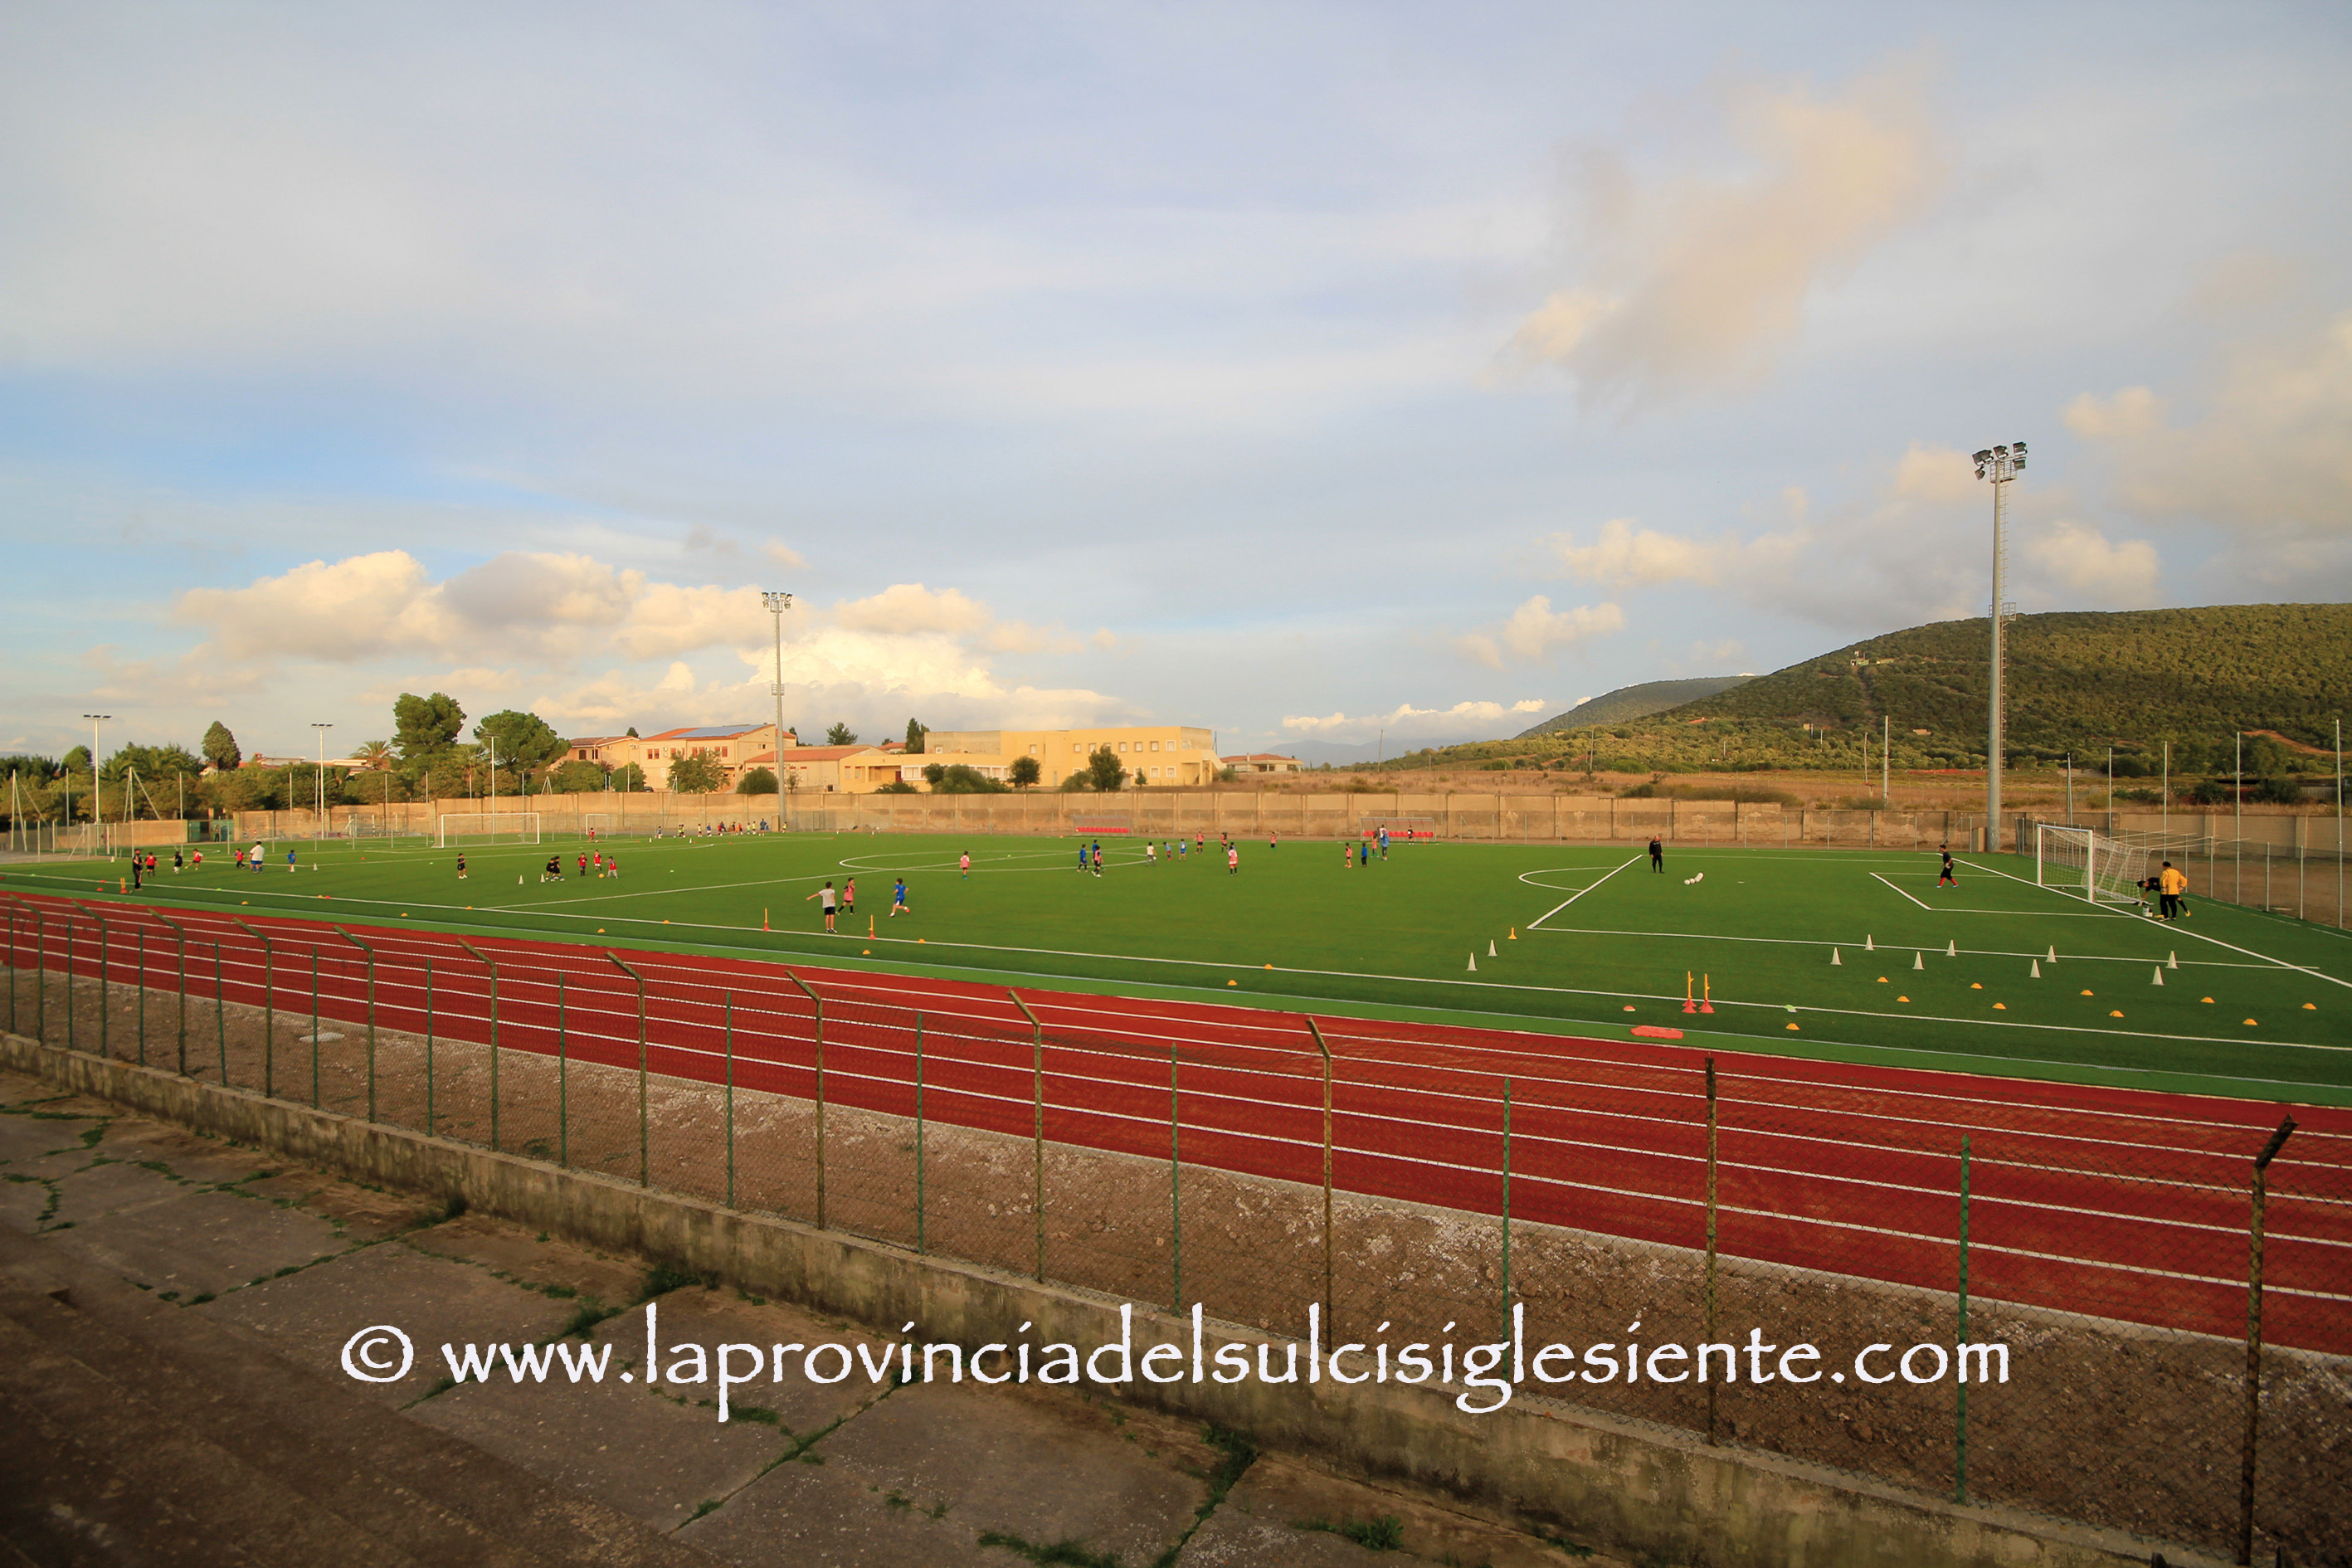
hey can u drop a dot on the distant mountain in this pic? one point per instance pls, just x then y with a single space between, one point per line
1628 702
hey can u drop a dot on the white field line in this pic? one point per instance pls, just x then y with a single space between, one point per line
1929 907
2217 942
1578 894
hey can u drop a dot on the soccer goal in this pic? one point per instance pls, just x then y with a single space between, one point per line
498 826
1403 828
2081 860
1089 825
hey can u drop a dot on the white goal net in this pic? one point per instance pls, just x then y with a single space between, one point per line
489 827
2084 860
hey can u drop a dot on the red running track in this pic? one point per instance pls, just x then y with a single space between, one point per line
2117 1202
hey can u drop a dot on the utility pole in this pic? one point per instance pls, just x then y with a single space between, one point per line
318 784
1885 777
2000 465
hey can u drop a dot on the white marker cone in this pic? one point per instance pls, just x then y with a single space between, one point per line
2159 975
2171 960
1951 948
2054 953
2037 968
1490 948
1869 944
1834 959
1919 961
1474 963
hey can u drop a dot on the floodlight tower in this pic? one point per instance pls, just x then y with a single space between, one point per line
2000 465
319 780
777 605
97 799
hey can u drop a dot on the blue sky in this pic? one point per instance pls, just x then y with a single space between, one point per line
1305 371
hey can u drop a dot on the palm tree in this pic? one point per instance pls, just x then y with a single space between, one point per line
376 757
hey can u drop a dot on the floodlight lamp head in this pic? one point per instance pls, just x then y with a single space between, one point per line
777 602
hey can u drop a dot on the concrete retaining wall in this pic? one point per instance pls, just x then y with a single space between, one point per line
1642 1491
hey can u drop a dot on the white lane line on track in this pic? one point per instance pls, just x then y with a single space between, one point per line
1578 894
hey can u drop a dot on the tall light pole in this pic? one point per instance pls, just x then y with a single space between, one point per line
777 605
318 781
97 801
2000 465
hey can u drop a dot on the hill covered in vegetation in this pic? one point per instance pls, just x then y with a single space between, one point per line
1630 703
2077 681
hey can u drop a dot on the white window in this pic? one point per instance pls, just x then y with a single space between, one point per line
1077 748
1155 745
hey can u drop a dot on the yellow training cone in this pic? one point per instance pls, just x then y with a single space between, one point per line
2251 1024
2311 1006
2000 1007
2114 1015
1976 984
1514 934
1793 1025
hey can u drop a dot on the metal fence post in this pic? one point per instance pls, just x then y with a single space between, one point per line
1328 1323
1507 1206
817 1003
104 1007
220 1013
1038 1102
364 947
269 1007
730 999
181 937
12 966
493 968
2254 1338
922 1238
645 1169
314 1025
70 987
428 1048
1960 1413
141 989
1710 1301
40 977
1175 1188
562 1084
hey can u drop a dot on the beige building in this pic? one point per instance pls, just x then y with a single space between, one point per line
1156 755
1263 762
734 747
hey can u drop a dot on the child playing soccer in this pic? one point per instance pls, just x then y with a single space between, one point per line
899 900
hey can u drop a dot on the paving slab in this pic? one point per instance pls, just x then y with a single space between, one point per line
815 1515
308 1316
1284 1513
1047 1472
533 1257
713 1317
167 1234
358 1213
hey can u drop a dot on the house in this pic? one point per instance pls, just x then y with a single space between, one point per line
1153 754
1263 762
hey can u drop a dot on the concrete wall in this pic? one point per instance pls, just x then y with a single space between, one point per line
1639 1490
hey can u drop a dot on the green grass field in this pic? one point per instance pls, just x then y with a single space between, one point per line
1601 943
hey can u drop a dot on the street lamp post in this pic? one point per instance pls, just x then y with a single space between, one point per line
97 799
318 781
777 605
2000 465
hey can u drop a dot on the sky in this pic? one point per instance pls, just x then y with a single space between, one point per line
1367 375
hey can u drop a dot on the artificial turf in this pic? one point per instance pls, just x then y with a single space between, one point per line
1567 938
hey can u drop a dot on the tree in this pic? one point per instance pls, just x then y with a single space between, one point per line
697 774
756 781
520 740
632 732
1105 770
1025 771
841 735
220 748
423 726
375 756
915 733
629 779
578 776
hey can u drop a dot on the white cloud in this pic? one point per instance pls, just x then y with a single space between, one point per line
2080 558
1692 281
1535 630
1625 556
2272 453
1407 722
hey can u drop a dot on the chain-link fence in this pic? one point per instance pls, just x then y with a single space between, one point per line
2129 1309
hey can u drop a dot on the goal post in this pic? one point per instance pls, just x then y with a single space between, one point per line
491 826
2084 860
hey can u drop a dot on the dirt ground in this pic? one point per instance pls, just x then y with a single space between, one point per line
2101 1422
